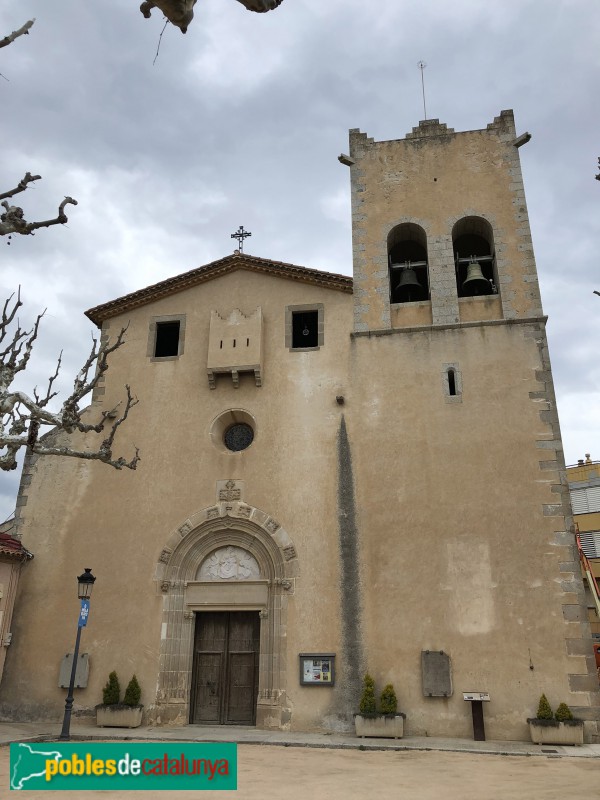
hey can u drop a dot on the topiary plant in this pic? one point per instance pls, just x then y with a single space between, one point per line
132 693
388 703
544 710
367 701
563 713
112 691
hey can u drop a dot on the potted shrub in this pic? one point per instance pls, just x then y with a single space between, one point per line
559 728
111 713
386 723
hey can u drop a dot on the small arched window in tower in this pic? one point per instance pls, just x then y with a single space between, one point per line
473 242
407 264
451 382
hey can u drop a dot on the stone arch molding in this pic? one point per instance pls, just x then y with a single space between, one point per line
231 522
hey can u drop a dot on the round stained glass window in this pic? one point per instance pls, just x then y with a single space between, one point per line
238 437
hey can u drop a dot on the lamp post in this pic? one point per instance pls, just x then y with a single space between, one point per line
85 584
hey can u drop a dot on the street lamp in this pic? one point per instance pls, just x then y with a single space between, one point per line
85 584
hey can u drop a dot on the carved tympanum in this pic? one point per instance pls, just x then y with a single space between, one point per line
229 564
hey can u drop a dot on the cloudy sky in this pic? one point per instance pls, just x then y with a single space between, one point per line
241 121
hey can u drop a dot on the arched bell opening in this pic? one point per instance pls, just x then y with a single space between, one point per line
473 242
407 264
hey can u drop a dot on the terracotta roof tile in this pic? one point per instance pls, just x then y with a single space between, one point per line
11 547
330 280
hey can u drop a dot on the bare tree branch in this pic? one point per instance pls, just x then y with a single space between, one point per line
15 34
260 6
22 417
181 12
13 220
21 186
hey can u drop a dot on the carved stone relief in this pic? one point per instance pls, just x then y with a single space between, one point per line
272 526
229 564
230 492
289 552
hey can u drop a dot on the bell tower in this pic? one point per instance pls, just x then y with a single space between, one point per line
464 529
440 230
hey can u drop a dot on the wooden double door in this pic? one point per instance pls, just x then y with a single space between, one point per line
225 668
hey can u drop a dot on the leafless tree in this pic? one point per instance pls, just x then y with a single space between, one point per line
23 417
13 219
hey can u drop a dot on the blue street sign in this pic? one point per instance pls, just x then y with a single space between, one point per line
84 613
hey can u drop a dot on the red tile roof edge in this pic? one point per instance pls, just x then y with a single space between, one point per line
223 266
9 546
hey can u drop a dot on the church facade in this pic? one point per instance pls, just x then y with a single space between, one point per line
338 476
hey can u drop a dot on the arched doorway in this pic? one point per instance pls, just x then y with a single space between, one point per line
225 665
227 575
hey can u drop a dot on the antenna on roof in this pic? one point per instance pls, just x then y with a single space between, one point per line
421 65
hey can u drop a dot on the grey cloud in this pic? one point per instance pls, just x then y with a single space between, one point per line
241 121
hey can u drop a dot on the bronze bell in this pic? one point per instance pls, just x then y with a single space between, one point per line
475 283
408 288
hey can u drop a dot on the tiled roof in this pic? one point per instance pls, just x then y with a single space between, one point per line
12 548
179 283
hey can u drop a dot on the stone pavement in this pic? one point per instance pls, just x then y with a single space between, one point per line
44 731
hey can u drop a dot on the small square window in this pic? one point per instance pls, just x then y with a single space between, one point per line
165 337
304 327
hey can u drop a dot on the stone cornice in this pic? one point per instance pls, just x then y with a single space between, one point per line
449 326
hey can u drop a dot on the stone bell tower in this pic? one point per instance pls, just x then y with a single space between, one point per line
465 528
435 199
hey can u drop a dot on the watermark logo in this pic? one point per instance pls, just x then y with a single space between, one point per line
123 765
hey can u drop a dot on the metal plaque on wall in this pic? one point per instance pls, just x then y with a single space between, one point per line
81 673
436 673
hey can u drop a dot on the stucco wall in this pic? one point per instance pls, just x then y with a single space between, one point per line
82 514
466 547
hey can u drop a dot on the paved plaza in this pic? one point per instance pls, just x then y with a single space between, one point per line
296 766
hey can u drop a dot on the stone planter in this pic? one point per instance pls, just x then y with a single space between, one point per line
389 726
553 732
120 716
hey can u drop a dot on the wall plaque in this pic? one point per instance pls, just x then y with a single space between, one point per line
436 673
81 672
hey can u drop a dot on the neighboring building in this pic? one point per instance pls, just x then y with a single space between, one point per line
337 475
584 485
12 556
